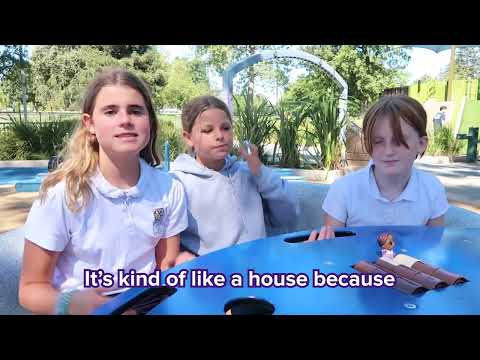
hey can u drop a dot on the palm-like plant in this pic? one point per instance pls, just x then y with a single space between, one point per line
42 139
324 131
254 121
288 134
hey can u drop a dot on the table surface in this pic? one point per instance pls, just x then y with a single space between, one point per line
456 250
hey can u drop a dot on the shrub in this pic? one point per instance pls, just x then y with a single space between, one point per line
254 121
167 131
443 142
324 132
24 140
288 135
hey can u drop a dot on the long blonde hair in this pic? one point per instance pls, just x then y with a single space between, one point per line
81 155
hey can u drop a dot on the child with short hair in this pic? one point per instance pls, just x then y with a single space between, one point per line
226 197
389 190
439 118
106 207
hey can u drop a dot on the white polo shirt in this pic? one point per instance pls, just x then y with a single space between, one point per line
356 200
118 229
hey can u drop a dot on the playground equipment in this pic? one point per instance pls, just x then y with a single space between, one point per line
166 156
267 55
472 143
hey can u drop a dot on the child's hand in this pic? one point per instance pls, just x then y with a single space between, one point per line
84 302
167 263
184 256
326 232
252 159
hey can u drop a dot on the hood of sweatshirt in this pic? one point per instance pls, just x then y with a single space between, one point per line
187 164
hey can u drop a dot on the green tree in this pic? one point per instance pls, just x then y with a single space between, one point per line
61 72
219 57
198 70
3 98
153 68
10 55
13 84
367 69
15 75
467 64
185 80
123 51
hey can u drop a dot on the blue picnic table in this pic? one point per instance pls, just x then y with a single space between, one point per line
456 250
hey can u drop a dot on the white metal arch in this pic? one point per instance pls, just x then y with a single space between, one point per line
264 55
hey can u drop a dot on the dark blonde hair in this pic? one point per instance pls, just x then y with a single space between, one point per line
394 108
194 108
81 158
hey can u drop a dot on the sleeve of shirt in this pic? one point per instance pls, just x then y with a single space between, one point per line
46 222
439 203
281 203
335 203
178 219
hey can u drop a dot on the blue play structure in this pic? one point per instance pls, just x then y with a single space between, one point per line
454 249
166 156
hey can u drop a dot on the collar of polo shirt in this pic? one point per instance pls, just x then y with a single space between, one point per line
408 194
108 190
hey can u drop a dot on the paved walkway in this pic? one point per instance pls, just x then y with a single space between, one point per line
461 181
14 207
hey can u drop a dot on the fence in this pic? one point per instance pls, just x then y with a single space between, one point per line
41 116
34 117
437 89
37 115
396 91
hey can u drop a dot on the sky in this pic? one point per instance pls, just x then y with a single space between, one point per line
424 61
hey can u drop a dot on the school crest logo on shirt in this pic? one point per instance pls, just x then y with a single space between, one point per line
158 221
158 214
